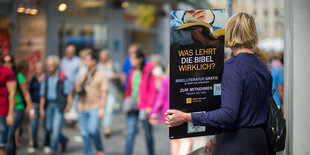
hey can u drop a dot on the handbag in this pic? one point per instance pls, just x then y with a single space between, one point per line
275 127
130 104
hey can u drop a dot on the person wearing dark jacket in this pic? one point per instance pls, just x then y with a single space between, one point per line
34 90
245 91
55 99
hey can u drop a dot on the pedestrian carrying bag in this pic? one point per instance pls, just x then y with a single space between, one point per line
130 104
275 127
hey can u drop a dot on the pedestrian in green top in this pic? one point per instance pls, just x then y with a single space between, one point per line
23 100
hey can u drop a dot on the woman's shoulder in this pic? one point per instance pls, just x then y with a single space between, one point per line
231 63
243 61
21 78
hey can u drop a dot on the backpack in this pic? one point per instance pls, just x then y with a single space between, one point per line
275 127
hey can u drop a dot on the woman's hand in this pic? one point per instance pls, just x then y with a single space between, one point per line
198 34
42 112
31 113
153 121
210 145
176 118
148 110
9 120
100 113
67 109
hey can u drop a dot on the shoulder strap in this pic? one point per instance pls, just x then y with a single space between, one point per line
273 91
87 77
46 85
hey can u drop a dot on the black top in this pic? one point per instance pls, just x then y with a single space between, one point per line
34 89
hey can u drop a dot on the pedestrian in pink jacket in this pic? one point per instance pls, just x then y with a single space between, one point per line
178 146
162 101
140 89
147 87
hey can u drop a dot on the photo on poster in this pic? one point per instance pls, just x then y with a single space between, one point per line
196 65
195 129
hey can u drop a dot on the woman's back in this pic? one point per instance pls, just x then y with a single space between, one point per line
246 87
256 88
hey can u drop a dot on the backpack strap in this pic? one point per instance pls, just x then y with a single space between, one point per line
62 76
273 91
46 87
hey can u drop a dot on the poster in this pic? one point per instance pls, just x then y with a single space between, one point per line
196 66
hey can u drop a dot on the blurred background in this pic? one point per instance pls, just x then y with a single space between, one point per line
35 29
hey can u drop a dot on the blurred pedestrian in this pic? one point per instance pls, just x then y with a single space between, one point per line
72 115
23 101
157 71
139 98
277 80
178 146
106 67
70 65
34 90
55 99
7 100
127 65
246 87
83 54
92 87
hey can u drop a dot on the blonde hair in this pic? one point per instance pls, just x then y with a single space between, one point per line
105 51
241 32
84 52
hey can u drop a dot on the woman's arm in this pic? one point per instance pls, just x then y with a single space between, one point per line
231 95
151 92
11 87
161 98
225 116
27 98
104 89
42 97
103 100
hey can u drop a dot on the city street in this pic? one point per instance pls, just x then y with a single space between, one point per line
114 145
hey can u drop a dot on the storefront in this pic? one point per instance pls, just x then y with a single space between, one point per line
7 26
33 29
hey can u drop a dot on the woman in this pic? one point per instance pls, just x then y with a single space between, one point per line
246 88
105 66
141 88
34 90
22 96
157 71
178 146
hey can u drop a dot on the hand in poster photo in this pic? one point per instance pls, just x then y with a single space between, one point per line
199 35
206 16
197 26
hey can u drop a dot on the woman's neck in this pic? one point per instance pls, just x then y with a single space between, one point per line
242 50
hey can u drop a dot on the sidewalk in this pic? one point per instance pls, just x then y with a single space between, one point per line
115 145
